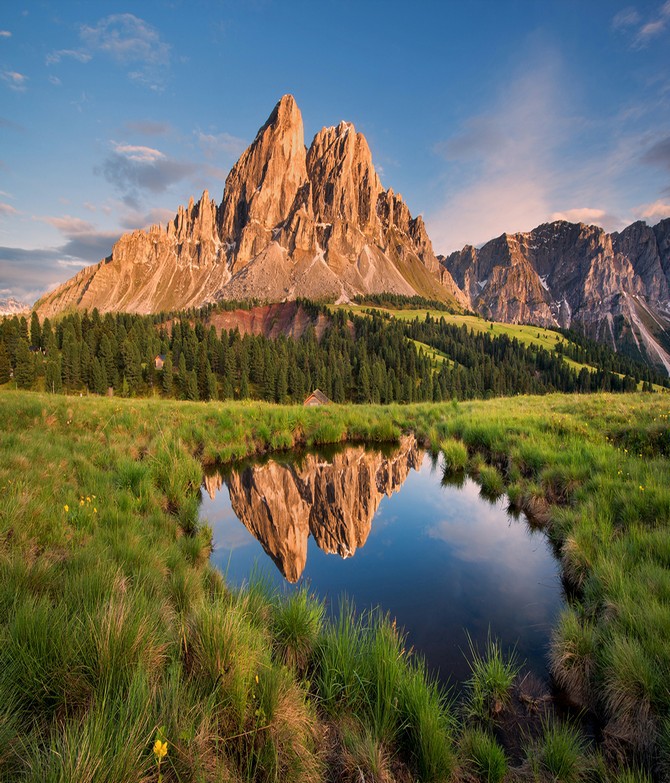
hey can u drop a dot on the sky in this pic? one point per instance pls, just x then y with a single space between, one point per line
486 115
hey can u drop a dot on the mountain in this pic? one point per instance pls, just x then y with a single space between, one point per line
11 306
614 287
334 500
293 222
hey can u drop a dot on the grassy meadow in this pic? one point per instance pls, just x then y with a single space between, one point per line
124 656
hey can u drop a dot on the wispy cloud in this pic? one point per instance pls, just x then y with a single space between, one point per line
14 80
138 153
627 17
7 209
132 169
501 162
5 34
658 210
75 54
133 43
216 145
590 216
642 30
55 81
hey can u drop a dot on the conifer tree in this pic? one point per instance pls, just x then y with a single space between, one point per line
35 332
24 369
166 380
5 366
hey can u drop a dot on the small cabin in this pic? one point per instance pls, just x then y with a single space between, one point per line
159 361
317 397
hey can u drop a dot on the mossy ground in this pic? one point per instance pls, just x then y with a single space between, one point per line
115 630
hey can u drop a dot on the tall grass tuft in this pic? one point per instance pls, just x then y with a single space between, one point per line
573 655
297 621
493 673
454 453
483 755
560 754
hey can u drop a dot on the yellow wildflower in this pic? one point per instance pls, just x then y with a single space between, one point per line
81 502
160 749
66 507
95 510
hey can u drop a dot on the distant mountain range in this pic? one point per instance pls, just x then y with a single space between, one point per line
11 306
317 223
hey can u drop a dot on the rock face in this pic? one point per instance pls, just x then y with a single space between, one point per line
292 223
616 287
333 501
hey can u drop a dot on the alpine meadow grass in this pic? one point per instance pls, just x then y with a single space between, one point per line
116 632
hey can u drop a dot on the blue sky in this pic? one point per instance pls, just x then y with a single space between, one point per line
488 116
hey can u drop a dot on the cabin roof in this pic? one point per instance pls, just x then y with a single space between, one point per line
319 396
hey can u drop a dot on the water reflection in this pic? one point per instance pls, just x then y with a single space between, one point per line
435 554
335 501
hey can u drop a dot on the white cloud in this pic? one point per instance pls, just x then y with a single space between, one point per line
15 81
138 153
5 34
590 216
658 210
75 54
55 80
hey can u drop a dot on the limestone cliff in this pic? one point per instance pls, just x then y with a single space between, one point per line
334 501
616 287
292 223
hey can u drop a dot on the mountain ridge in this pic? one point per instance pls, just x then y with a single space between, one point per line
615 287
292 222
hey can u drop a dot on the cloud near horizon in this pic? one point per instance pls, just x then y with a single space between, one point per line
500 163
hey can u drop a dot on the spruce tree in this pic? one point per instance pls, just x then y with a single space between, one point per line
166 380
5 366
35 332
24 369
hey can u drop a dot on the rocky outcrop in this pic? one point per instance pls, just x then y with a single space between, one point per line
615 287
292 223
334 501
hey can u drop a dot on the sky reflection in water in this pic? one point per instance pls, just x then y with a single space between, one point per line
441 559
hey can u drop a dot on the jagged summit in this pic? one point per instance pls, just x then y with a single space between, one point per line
292 222
615 287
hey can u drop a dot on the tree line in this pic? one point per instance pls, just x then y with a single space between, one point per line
357 359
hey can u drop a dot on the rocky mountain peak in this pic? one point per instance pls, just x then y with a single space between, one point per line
292 223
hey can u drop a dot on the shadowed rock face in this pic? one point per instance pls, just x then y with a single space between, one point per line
335 502
616 287
292 223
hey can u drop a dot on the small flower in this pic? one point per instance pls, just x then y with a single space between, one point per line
66 507
160 749
95 510
81 502
256 679
641 488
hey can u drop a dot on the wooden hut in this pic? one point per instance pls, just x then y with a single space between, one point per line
317 397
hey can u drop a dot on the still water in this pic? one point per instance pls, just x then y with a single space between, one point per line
388 530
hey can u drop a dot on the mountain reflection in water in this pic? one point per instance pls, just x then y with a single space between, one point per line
386 528
335 501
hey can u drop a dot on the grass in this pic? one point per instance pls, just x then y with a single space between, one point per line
484 756
114 627
490 685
